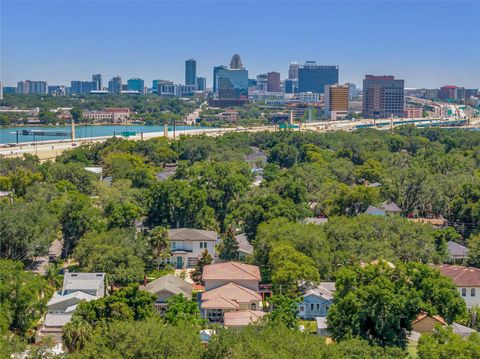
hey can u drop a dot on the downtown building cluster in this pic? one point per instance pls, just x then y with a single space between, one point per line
309 83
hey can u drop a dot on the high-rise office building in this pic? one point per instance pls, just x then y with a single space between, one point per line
32 87
136 84
383 97
291 86
215 72
293 71
56 90
231 84
115 85
165 88
313 77
352 91
336 101
97 78
9 89
273 82
202 83
81 87
190 72
262 82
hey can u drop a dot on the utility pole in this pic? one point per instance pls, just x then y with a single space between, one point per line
73 129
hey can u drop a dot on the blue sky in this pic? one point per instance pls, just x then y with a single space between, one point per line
427 43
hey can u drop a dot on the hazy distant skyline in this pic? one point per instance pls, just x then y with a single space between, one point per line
427 43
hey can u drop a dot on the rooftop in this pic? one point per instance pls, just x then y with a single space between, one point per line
84 282
231 271
170 283
461 276
457 250
243 244
232 291
182 234
242 318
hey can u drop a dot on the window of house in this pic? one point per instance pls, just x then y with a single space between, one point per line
254 306
464 292
318 306
302 308
312 306
174 245
472 292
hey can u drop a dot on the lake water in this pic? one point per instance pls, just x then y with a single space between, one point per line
8 134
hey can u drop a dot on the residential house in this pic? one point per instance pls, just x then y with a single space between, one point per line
467 281
165 287
456 252
76 287
375 211
187 245
316 301
426 324
391 208
217 275
387 208
245 249
230 287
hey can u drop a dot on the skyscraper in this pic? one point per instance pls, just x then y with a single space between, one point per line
262 82
383 97
190 72
97 78
215 72
293 71
273 82
32 87
115 85
136 84
336 101
231 84
80 87
313 77
202 83
291 86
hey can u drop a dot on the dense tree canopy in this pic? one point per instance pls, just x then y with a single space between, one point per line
378 302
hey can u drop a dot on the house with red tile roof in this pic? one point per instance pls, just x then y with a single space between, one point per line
467 281
230 287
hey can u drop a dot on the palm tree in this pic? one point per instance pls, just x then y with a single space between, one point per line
76 334
160 243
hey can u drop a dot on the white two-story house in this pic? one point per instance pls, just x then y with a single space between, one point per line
187 245
467 281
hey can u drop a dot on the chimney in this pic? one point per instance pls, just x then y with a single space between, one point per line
145 281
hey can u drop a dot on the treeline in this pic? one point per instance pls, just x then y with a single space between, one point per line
105 223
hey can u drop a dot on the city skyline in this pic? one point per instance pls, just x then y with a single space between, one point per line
408 45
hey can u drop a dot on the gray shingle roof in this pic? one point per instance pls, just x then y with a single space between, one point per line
182 234
169 283
390 207
85 282
457 250
375 211
243 244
